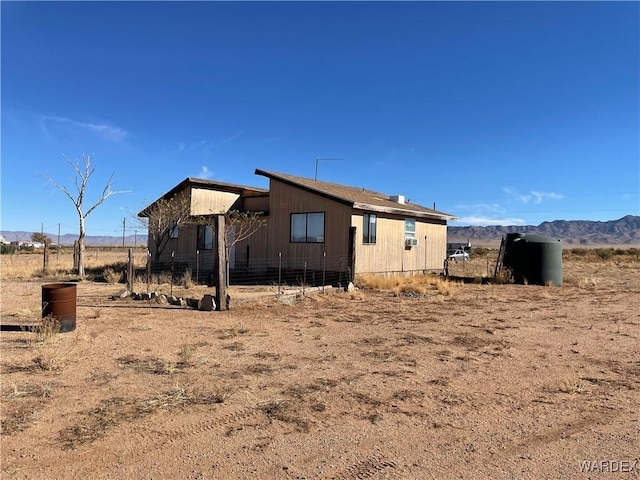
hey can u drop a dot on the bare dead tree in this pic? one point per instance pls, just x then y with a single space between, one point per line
83 174
239 226
162 217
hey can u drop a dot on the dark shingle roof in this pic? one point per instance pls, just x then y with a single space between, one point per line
358 198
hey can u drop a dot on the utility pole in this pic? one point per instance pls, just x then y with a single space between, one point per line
323 159
124 226
58 245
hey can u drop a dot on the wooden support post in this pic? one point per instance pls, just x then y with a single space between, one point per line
76 256
130 271
45 260
221 267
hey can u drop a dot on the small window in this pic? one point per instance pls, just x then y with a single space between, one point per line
205 237
410 228
173 230
369 228
307 227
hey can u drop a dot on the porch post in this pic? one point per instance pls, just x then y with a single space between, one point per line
221 270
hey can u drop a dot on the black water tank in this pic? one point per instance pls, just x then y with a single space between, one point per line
534 259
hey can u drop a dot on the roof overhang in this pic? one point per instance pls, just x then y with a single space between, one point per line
189 182
403 211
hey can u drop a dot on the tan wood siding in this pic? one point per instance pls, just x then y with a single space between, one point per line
210 202
256 254
389 254
256 204
285 200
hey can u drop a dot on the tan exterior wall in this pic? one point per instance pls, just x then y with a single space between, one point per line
185 250
389 254
285 200
210 202
256 204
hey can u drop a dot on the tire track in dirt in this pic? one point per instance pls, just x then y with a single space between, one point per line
364 469
172 436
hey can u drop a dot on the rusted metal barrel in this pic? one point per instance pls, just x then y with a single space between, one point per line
59 301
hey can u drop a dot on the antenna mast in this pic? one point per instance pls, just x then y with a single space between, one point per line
323 159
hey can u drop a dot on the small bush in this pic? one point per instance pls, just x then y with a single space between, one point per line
163 278
186 280
604 253
112 276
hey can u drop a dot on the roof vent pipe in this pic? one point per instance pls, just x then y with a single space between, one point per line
397 198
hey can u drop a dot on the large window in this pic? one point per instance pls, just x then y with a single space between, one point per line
307 227
410 228
205 237
369 228
173 230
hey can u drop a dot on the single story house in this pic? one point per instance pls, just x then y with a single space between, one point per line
315 226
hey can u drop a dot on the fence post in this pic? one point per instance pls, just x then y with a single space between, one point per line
304 276
172 255
130 271
45 259
221 265
279 271
197 266
148 270
324 269
76 256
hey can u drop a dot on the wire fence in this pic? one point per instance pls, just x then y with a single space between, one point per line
201 268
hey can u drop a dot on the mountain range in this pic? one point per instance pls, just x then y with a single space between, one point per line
68 239
624 231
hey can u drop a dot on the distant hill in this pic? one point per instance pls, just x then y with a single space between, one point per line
68 239
624 231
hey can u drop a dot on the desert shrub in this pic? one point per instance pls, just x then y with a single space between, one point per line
5 249
112 276
481 251
186 280
162 278
604 253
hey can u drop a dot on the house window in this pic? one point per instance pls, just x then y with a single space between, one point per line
173 230
369 228
205 237
307 227
410 228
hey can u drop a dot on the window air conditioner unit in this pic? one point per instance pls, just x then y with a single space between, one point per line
410 242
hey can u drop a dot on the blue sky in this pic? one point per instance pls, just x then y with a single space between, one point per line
499 112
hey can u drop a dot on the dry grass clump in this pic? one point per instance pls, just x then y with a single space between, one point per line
112 276
572 386
46 332
408 285
24 265
186 280
51 354
117 410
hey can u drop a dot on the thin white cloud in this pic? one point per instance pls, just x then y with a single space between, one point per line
230 139
516 195
533 196
206 173
482 207
484 221
538 196
110 133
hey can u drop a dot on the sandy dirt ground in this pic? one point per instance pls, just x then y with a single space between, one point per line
470 381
